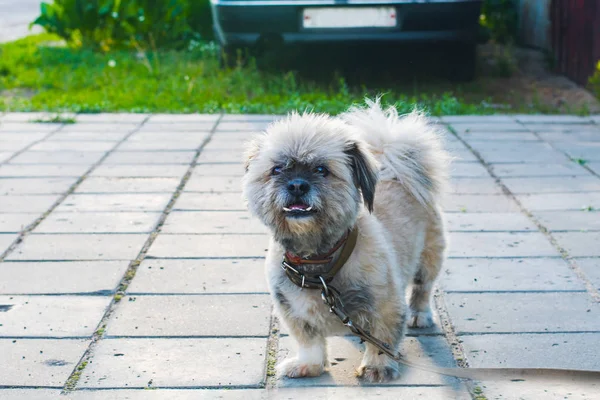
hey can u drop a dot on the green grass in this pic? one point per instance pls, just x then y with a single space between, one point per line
36 74
56 119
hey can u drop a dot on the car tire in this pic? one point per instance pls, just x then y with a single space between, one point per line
463 62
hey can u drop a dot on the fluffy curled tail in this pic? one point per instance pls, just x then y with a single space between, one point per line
408 148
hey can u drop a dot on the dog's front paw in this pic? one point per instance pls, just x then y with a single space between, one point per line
293 368
421 319
377 373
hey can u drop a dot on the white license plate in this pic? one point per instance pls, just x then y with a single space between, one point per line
356 17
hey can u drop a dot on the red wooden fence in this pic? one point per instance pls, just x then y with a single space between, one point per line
575 26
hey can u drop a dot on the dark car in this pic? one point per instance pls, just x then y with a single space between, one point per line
246 23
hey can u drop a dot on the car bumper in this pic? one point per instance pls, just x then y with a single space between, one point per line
246 22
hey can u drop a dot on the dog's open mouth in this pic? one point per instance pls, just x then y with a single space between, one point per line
298 209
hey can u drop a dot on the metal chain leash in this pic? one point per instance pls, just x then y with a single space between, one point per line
331 297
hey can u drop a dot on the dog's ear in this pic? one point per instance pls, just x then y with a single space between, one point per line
252 150
364 171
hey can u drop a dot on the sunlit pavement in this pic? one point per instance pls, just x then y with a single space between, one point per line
130 263
15 17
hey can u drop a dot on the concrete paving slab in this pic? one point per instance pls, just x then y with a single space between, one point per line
58 157
500 244
32 116
468 170
87 277
15 146
150 157
111 118
462 155
579 244
51 316
466 127
6 240
192 315
251 117
72 146
540 390
200 183
552 119
177 127
591 268
99 222
115 202
210 201
232 126
209 246
560 201
140 171
164 137
27 394
572 137
27 204
518 152
200 276
522 312
586 151
474 186
12 186
87 137
478 119
128 185
44 247
479 203
177 119
221 156
229 362
345 354
10 223
526 170
105 127
7 138
168 394
219 170
573 184
488 222
5 155
533 351
29 127
486 136
561 128
516 274
167 145
36 171
212 222
237 141
569 220
39 362
595 167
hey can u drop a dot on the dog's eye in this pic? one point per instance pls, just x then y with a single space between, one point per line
321 170
276 170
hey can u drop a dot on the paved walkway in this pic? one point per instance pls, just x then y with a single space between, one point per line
15 17
128 263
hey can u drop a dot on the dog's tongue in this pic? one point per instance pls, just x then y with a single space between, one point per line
298 206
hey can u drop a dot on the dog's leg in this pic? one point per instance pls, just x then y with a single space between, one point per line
376 366
427 271
311 359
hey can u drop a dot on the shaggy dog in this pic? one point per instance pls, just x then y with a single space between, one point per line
311 179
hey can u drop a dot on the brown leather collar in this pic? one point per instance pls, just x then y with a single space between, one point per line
292 264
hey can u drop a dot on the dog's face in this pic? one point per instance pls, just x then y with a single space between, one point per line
305 175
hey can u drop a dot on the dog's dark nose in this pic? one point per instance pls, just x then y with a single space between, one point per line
298 187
